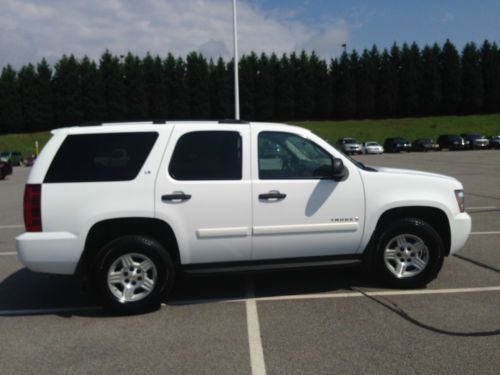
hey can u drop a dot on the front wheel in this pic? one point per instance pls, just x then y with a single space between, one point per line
409 254
133 274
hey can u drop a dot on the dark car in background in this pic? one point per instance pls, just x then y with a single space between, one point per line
494 141
475 141
350 146
13 157
451 142
424 144
396 144
5 169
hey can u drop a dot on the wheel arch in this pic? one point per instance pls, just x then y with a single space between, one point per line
107 230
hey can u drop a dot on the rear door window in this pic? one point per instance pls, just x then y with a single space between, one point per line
101 157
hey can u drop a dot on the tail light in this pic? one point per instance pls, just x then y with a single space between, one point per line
33 208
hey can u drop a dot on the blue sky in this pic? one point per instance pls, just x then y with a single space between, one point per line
33 29
386 21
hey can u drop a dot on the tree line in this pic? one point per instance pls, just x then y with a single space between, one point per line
401 81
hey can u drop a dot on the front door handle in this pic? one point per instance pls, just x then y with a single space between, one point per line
272 195
175 197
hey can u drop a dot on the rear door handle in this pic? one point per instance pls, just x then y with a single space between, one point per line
175 197
272 195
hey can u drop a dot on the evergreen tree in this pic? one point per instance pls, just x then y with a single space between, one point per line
29 96
490 65
114 89
284 97
219 90
155 87
197 83
450 78
303 86
67 99
264 88
431 96
247 74
367 82
387 85
92 91
408 92
11 115
175 81
44 105
320 82
472 82
344 85
137 103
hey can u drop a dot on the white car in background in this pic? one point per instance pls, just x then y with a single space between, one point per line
372 147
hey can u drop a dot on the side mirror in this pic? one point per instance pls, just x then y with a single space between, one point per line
339 171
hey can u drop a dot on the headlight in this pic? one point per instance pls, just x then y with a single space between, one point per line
459 194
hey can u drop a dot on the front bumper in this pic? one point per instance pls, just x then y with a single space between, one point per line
460 227
49 252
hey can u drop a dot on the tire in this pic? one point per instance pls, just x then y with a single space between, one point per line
422 256
143 274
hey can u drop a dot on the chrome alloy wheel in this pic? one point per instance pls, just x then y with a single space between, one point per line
132 277
406 255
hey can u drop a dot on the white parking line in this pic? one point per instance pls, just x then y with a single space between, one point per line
11 226
481 208
62 310
257 363
8 253
485 233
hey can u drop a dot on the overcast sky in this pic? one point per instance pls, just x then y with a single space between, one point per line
32 29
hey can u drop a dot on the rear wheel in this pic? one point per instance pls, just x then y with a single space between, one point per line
409 254
133 274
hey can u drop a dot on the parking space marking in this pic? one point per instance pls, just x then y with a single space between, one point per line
14 226
9 253
481 208
49 311
257 362
485 233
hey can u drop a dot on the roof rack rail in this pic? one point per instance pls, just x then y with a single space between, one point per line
233 121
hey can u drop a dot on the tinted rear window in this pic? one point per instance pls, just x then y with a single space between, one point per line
100 157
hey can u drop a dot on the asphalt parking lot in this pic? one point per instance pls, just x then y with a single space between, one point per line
315 322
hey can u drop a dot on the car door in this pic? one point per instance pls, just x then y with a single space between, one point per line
203 191
297 210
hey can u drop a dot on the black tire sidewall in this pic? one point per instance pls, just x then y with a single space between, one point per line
431 239
139 245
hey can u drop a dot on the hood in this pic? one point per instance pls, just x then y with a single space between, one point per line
414 173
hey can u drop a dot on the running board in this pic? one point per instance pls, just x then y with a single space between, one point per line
265 266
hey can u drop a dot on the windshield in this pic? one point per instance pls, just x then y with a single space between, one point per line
455 138
371 143
350 140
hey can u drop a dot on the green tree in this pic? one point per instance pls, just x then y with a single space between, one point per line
303 86
344 85
472 82
92 91
220 104
431 95
137 103
175 81
409 81
66 85
155 87
387 85
367 82
114 89
11 114
197 82
264 88
320 82
284 98
450 79
44 104
29 96
247 74
490 66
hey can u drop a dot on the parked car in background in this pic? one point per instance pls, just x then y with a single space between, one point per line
396 144
29 161
5 169
14 157
424 144
451 142
372 147
350 146
494 141
475 141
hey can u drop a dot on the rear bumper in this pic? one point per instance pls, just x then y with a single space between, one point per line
50 252
460 231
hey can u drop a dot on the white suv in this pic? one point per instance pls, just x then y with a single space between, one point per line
130 205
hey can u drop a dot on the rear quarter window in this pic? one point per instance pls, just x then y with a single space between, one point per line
100 157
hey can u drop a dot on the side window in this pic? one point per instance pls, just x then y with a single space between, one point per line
101 157
207 155
289 156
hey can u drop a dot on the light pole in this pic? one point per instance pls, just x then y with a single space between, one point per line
236 65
